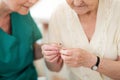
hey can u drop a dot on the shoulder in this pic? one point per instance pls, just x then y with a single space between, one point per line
17 15
22 18
63 7
25 21
62 13
62 10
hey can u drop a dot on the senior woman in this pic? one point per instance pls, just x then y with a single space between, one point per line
89 35
18 34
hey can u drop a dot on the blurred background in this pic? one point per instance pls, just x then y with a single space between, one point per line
41 12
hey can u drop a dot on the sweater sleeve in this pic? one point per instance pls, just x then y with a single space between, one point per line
118 42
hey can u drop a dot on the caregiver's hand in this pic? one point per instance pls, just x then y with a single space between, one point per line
51 52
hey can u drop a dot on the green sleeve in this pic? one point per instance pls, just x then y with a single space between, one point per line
36 31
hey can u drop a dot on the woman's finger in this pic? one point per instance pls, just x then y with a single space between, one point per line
55 59
65 52
66 58
50 57
49 48
49 53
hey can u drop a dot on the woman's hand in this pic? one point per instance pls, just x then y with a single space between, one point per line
51 53
77 57
52 56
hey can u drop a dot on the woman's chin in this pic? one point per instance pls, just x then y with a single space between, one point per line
23 12
81 12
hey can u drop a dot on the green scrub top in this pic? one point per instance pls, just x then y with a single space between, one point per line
16 49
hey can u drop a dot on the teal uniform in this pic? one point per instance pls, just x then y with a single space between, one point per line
16 49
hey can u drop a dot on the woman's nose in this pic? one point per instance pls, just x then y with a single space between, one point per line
77 2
